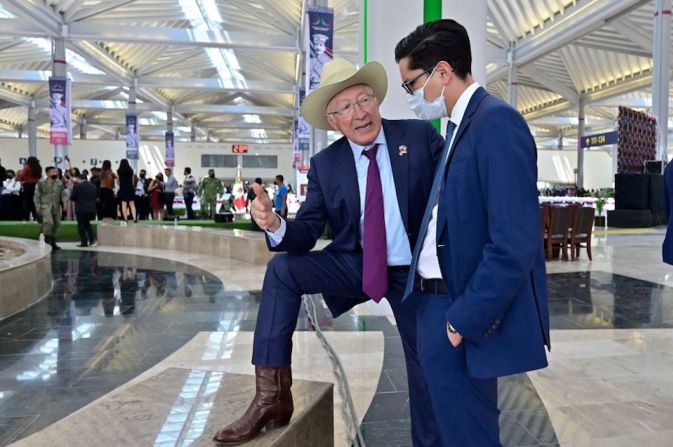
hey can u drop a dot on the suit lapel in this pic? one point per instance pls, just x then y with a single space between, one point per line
399 163
472 106
478 95
349 182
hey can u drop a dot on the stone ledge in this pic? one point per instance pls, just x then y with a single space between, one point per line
244 246
182 405
25 279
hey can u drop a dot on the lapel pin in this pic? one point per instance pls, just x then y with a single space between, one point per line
403 150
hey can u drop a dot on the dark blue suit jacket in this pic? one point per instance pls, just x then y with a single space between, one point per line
333 196
488 241
667 248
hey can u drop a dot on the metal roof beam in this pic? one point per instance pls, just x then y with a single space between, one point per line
622 50
214 84
182 37
242 125
577 20
638 103
633 33
95 104
39 76
495 19
634 83
560 121
14 98
557 87
100 8
71 10
37 14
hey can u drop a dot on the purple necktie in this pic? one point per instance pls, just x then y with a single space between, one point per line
375 254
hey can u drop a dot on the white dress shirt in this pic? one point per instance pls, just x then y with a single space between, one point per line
428 264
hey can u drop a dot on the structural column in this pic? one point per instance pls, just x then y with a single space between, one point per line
32 129
580 134
132 109
192 135
660 83
387 22
512 80
59 69
82 128
169 119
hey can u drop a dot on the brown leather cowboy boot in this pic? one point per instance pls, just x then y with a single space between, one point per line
272 407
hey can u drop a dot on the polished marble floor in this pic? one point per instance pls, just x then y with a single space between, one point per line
113 317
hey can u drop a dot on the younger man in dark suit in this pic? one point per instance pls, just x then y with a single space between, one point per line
85 194
477 271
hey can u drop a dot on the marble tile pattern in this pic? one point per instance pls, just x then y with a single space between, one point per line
610 387
244 246
24 279
185 407
624 292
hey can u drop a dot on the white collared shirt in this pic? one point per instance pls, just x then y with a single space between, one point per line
428 264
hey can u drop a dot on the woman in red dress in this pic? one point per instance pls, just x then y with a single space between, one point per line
156 190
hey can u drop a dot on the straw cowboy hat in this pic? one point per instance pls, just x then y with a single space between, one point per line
338 75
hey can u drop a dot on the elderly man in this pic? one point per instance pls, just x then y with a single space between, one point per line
371 186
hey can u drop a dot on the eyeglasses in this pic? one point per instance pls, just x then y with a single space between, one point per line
408 85
347 110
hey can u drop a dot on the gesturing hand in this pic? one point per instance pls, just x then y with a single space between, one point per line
262 210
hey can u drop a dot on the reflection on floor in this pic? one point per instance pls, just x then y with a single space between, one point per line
113 317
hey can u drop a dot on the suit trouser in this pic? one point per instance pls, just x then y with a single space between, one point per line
466 408
84 228
288 277
189 201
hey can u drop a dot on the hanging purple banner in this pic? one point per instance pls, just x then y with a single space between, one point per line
60 101
170 150
319 43
132 136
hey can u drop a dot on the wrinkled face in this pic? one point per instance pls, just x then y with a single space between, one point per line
360 124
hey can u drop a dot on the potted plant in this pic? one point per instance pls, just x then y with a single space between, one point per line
599 220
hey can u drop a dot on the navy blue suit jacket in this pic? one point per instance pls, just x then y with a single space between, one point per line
667 248
333 196
488 241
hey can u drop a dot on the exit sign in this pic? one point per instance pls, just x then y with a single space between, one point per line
239 148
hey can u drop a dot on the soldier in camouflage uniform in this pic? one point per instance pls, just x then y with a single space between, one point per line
49 197
208 191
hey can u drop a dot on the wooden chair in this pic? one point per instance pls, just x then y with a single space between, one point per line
559 226
582 228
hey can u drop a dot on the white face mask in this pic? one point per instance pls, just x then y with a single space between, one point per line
424 109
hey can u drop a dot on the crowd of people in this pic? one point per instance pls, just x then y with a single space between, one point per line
51 195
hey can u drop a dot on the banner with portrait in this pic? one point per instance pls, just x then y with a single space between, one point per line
132 139
170 150
60 105
319 43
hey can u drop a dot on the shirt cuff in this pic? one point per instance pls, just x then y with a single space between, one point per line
276 237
